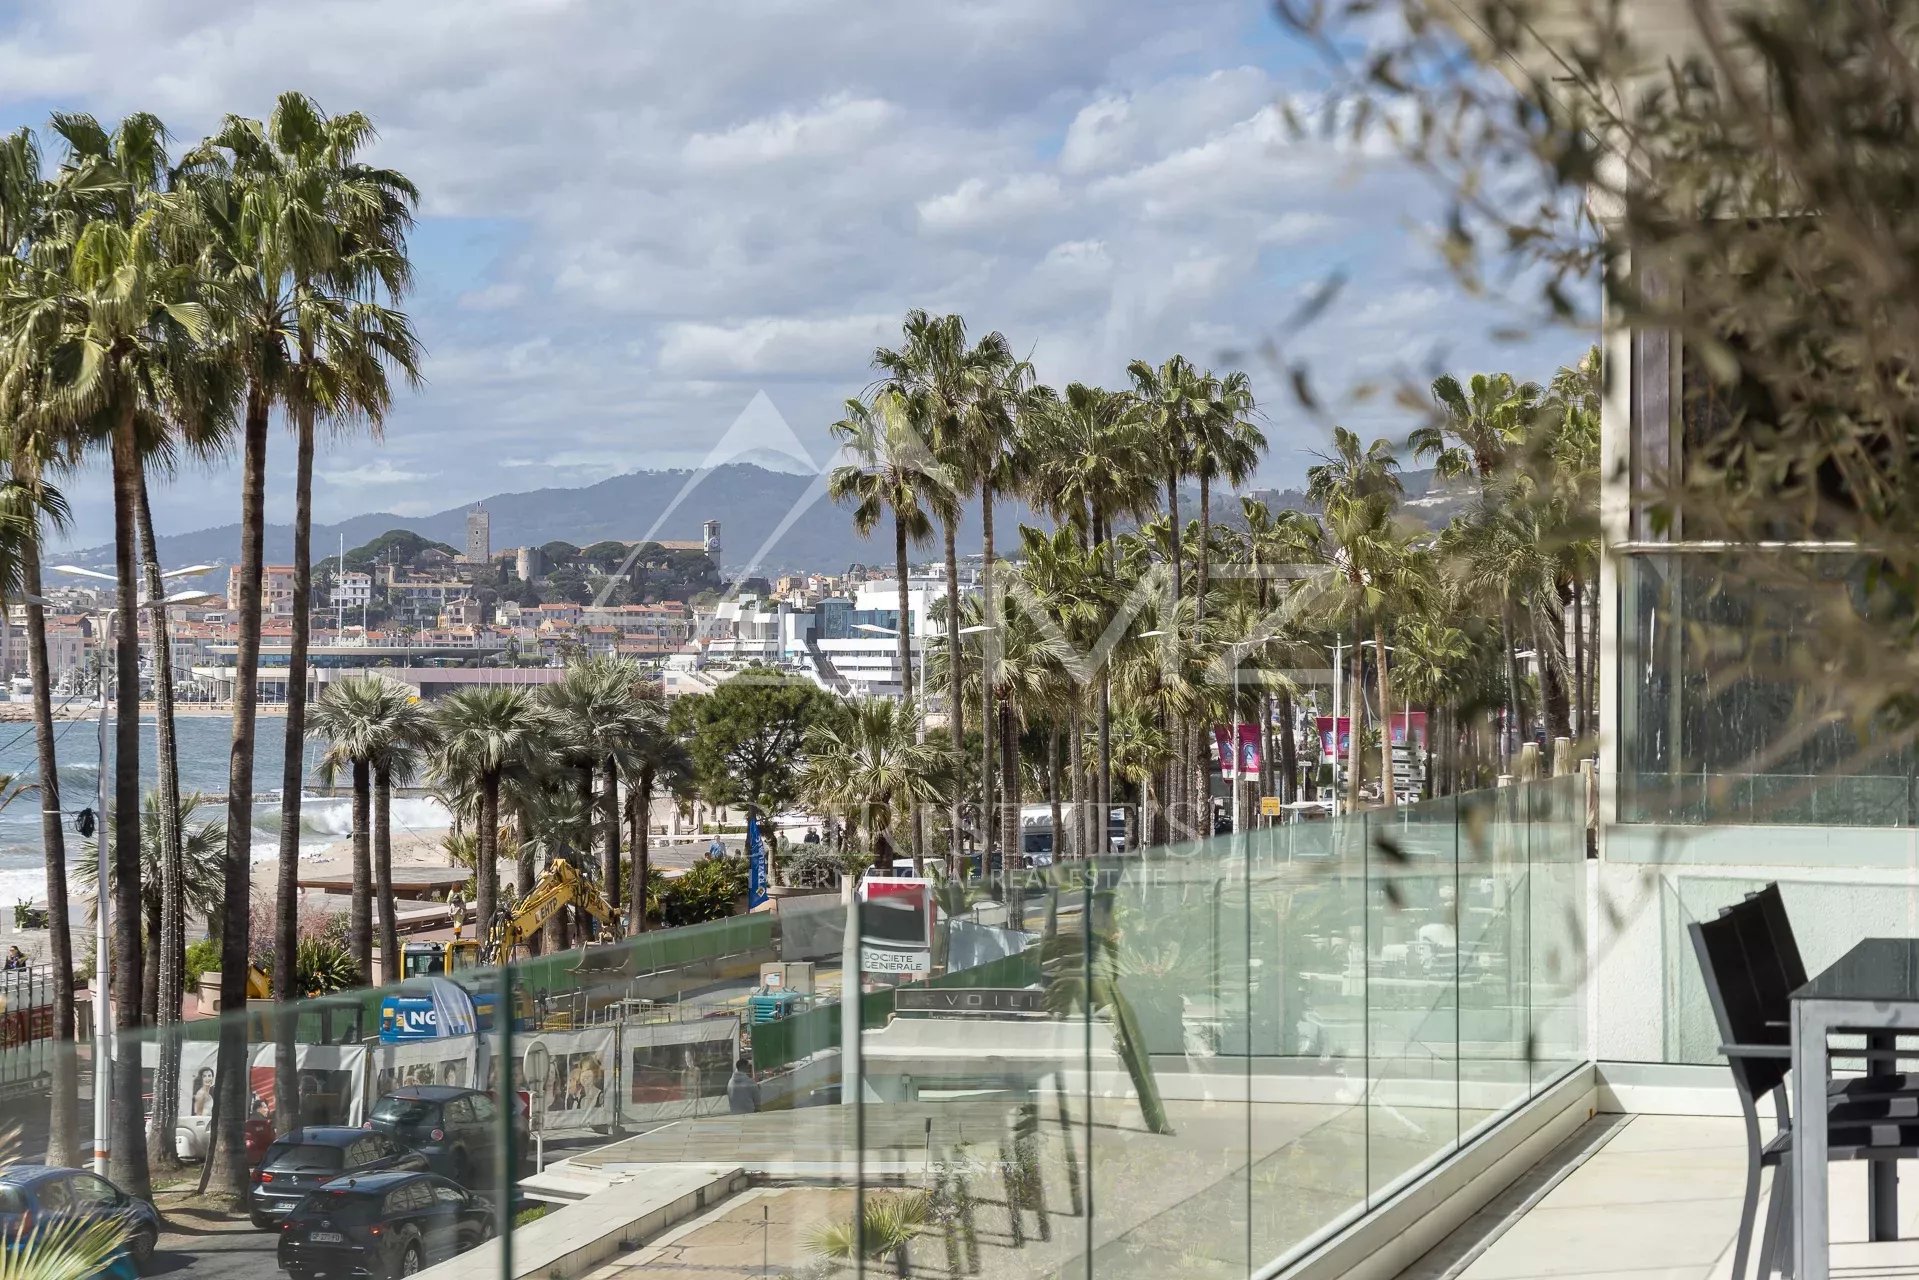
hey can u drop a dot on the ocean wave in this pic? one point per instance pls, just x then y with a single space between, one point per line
332 816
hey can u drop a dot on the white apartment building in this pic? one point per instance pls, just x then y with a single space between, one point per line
352 591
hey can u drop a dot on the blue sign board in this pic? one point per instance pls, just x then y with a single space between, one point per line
756 876
405 1019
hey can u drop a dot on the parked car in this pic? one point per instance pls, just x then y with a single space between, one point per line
32 1194
457 1130
298 1161
381 1225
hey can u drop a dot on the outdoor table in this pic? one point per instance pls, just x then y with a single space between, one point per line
1873 989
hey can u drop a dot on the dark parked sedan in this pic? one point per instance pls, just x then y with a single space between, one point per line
302 1159
457 1130
32 1195
381 1225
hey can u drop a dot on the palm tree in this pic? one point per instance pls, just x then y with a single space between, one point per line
1226 445
1481 423
348 716
1358 488
891 470
957 390
202 847
404 737
658 758
311 239
482 734
1173 398
113 310
874 766
23 224
599 709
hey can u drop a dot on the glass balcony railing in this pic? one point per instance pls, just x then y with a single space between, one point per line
1191 1063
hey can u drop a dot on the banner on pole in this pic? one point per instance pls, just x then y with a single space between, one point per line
757 878
1244 762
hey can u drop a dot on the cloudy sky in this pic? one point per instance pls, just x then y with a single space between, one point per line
656 231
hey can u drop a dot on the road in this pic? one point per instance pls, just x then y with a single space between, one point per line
203 1246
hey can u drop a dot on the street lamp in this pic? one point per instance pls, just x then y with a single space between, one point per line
102 961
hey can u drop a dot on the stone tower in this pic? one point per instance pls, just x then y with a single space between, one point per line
479 535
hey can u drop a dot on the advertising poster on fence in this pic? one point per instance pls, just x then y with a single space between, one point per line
449 1060
578 1090
675 1069
331 1081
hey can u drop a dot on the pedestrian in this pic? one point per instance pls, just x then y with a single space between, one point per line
716 849
742 1090
16 958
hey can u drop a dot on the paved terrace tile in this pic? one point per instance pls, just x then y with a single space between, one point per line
1656 1198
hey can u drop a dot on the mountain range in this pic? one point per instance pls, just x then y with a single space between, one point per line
773 520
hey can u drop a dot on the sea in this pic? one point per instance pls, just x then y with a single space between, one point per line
204 743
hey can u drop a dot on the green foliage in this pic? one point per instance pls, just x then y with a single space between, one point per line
567 585
708 890
746 736
323 966
888 1225
203 957
399 546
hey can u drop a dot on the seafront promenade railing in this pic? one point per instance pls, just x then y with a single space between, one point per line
1192 1062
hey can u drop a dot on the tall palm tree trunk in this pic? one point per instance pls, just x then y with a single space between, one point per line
1052 792
486 876
150 959
127 1162
167 946
359 927
1012 859
1354 718
642 852
229 1172
390 966
1075 784
1104 802
293 774
989 648
1386 778
1288 748
610 818
904 625
1205 544
63 1103
1584 724
955 700
1509 741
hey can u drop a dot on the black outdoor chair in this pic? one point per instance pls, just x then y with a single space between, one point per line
1751 965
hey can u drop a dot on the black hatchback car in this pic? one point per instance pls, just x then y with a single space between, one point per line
302 1159
457 1130
381 1225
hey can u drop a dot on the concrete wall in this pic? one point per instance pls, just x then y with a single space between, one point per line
1647 1002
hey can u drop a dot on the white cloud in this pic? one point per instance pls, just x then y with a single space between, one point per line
372 473
837 125
770 346
639 217
979 204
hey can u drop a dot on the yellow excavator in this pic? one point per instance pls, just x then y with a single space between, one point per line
560 887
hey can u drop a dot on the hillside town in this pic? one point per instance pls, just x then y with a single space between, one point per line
440 618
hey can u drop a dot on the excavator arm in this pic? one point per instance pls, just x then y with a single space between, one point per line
561 886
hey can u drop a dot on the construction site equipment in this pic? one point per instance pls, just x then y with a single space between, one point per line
562 886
